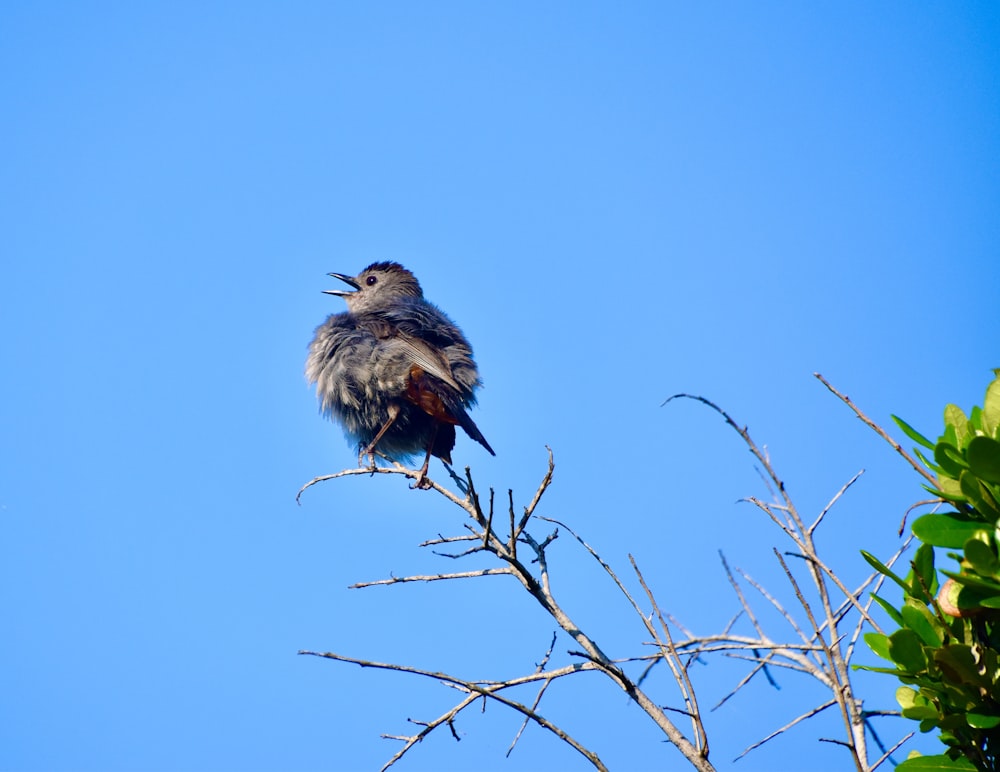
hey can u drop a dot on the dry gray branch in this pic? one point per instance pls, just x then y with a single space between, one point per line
538 697
473 690
808 714
433 577
885 756
880 431
834 500
673 660
833 667
537 583
817 649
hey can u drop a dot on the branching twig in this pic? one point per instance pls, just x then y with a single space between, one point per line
834 500
816 649
676 666
539 587
432 578
475 689
808 714
530 509
879 431
538 697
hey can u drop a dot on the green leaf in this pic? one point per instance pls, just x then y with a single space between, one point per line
925 576
982 557
959 664
920 712
981 721
990 493
927 462
919 619
976 418
950 459
969 485
983 586
907 697
912 433
889 609
936 764
945 530
993 602
906 650
879 644
984 458
955 417
979 495
991 408
887 670
883 569
950 490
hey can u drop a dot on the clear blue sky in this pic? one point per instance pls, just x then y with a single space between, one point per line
616 202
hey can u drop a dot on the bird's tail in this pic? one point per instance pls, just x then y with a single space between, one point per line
466 422
441 401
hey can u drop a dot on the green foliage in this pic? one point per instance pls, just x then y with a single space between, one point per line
946 650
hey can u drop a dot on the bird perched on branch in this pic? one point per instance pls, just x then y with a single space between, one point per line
394 370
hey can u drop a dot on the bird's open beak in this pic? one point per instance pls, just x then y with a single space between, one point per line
347 280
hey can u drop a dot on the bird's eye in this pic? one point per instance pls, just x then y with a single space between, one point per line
371 280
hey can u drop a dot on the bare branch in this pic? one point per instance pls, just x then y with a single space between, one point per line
538 697
542 487
476 689
785 525
397 468
489 520
729 642
512 544
428 726
902 523
760 454
774 602
891 751
433 577
676 666
879 431
814 559
834 500
747 610
786 727
823 653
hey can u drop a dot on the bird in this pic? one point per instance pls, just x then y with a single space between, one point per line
394 370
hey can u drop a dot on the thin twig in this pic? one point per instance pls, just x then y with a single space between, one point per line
834 500
777 605
542 487
673 659
786 727
483 689
538 697
891 751
432 577
879 431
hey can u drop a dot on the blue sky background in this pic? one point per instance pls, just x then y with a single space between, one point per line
616 202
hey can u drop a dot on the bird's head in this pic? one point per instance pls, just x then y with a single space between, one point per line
377 286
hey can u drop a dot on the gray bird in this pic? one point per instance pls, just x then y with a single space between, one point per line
394 370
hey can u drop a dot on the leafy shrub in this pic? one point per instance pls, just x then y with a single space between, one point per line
946 651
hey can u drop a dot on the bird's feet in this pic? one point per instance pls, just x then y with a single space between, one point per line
423 482
370 452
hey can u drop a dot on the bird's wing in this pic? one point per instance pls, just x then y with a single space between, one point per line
441 405
419 353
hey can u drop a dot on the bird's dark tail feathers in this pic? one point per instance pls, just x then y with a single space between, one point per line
470 427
